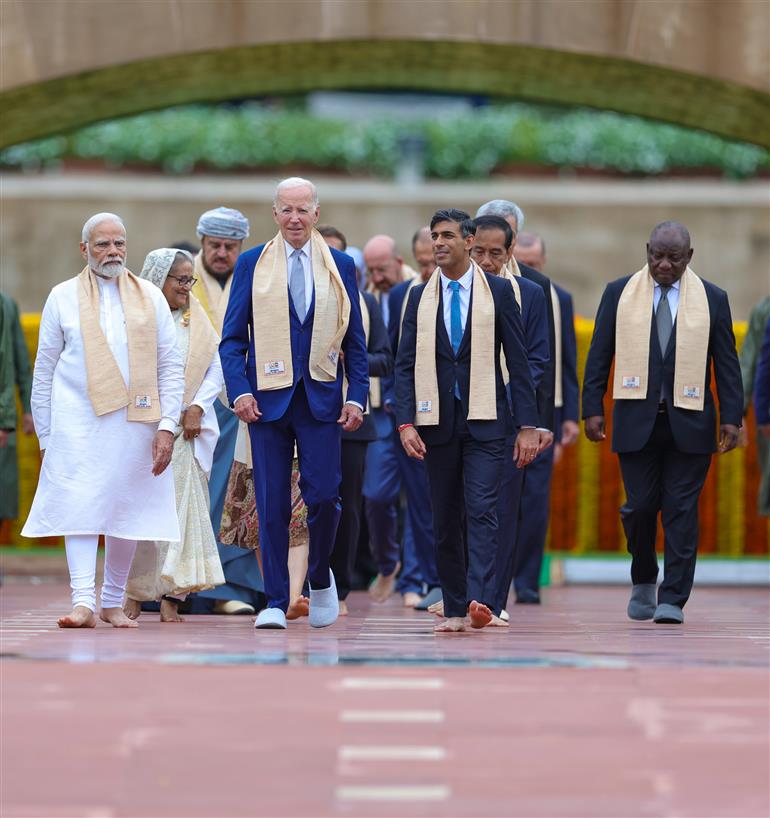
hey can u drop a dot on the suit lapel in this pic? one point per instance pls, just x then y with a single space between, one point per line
466 339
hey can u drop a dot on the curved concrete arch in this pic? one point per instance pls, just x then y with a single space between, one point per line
698 63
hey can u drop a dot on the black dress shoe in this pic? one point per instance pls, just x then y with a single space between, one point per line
528 598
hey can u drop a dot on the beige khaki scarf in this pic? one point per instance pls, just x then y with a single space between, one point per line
107 390
375 387
511 272
270 305
212 297
203 345
558 386
632 340
482 403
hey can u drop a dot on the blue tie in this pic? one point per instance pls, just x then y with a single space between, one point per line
456 324
456 321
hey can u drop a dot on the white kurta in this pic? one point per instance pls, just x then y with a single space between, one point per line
96 476
207 393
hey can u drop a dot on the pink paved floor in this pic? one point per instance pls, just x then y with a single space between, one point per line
575 711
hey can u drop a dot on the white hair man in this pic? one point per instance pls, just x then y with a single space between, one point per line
106 397
293 315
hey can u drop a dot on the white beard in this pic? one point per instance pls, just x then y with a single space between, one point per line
107 269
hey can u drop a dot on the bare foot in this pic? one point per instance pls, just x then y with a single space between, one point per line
383 585
498 623
455 624
116 618
479 615
300 607
169 611
411 598
81 617
343 608
133 608
437 608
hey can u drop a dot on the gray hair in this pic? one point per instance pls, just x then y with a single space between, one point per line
503 208
292 182
98 218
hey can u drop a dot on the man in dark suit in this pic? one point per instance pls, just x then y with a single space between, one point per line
529 251
464 456
418 524
354 444
311 410
492 250
514 215
664 448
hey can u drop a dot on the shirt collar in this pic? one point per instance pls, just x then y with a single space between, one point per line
465 282
305 249
674 286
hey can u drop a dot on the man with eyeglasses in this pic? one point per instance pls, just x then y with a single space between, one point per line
292 331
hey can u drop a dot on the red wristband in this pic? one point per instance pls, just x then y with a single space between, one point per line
405 426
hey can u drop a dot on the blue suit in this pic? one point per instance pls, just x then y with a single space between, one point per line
534 317
762 381
304 413
536 489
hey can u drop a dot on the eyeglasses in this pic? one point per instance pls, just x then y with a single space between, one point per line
184 281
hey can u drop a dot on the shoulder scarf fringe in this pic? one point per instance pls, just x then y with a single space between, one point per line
270 306
482 403
203 344
632 340
212 297
107 390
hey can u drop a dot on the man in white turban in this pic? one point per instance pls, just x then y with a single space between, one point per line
106 396
222 232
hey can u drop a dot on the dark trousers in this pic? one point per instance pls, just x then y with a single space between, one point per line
533 526
464 474
344 553
508 505
662 479
318 450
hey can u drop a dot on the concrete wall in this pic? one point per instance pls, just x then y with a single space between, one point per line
700 63
595 230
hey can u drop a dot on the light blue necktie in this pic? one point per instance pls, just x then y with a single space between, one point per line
456 320
456 323
297 284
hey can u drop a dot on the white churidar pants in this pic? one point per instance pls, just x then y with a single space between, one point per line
81 559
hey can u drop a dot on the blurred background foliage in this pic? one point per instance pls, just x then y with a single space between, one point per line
494 138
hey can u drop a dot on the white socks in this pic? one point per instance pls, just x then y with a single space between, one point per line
81 559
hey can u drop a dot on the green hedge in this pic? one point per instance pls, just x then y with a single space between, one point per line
468 146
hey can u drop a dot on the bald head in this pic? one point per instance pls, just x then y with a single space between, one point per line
383 264
530 250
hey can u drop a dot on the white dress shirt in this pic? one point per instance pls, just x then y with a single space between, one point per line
466 283
385 307
673 298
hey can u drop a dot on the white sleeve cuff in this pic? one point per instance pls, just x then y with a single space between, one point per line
245 394
167 425
355 403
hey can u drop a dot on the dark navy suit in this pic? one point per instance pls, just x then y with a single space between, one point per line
306 413
354 445
465 457
665 452
418 559
535 322
536 490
